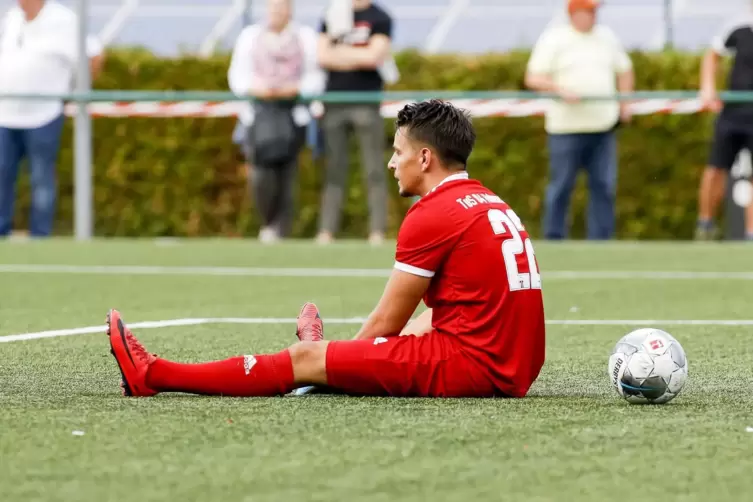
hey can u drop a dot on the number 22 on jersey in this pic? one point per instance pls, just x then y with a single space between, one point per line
507 222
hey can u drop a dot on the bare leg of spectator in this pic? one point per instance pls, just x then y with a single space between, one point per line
335 125
42 146
11 152
710 196
369 126
749 222
727 142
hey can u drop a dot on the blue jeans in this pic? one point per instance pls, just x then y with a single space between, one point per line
40 146
597 154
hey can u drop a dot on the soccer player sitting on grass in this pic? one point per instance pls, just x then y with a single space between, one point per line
460 248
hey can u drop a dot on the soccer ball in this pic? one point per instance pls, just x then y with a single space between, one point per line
648 366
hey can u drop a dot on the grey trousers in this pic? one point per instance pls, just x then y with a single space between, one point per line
273 190
368 124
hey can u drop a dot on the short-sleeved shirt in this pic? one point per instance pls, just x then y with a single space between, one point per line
485 286
585 64
736 40
367 22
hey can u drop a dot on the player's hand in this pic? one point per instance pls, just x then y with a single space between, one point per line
419 326
710 100
415 328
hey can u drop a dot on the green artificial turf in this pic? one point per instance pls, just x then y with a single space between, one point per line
571 439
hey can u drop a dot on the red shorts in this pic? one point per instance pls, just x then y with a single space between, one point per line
405 366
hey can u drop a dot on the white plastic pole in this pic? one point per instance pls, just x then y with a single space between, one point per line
83 218
247 16
668 25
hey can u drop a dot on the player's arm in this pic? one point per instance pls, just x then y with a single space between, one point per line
425 239
401 296
419 326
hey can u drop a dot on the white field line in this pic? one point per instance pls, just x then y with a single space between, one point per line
354 320
192 271
345 272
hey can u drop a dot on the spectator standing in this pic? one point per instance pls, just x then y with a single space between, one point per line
275 62
38 55
357 60
733 130
575 59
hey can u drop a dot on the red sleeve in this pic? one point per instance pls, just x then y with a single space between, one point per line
424 241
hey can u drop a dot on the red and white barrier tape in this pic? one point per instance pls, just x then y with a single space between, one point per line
478 108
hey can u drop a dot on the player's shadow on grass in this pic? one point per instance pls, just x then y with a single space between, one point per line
535 398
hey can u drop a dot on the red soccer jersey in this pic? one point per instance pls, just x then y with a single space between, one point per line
486 289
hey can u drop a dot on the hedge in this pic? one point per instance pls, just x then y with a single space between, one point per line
184 177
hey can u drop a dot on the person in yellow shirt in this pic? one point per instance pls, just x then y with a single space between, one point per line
574 59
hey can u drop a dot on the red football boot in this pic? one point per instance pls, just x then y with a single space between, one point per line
310 324
132 358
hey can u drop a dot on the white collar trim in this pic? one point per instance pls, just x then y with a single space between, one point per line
452 177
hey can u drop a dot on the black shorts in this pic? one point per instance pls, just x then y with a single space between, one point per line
729 138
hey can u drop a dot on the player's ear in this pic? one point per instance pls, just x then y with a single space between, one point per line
425 158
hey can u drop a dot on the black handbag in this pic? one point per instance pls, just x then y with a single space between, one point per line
272 135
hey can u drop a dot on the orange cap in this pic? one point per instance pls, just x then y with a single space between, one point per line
573 5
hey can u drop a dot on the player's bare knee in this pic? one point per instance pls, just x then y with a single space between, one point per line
309 360
302 352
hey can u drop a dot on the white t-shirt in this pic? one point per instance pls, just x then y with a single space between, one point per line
583 63
38 56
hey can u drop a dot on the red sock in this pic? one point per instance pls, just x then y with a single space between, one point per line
242 376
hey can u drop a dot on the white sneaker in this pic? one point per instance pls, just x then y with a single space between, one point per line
268 235
324 238
376 239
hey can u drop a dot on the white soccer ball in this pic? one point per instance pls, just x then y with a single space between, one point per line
648 366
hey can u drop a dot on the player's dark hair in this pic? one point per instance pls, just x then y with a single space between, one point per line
444 128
